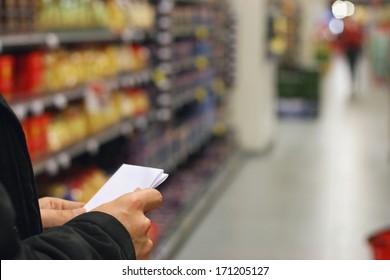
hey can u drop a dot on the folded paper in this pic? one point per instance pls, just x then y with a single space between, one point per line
127 179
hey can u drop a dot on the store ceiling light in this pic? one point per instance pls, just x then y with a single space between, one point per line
350 8
340 9
336 26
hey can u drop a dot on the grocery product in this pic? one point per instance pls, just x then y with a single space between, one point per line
79 184
38 72
140 100
36 129
6 75
16 15
85 14
28 79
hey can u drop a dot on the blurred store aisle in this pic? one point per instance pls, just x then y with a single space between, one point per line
320 192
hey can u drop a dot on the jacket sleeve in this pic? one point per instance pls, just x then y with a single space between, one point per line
9 238
94 235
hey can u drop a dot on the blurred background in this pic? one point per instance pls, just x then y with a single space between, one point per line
271 116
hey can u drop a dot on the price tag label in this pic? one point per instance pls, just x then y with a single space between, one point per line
141 122
139 78
164 99
37 107
60 101
220 129
164 23
92 146
127 35
163 115
159 76
52 167
146 76
165 6
126 128
128 81
64 160
166 85
219 87
52 41
20 111
201 62
201 94
202 32
165 53
166 67
97 97
164 38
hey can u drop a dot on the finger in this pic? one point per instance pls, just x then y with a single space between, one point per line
62 204
69 205
44 203
151 199
52 218
54 203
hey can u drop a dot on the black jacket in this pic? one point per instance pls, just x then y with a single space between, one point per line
93 235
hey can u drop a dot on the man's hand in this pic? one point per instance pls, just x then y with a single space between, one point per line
130 210
56 211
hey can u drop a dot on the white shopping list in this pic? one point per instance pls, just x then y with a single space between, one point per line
127 179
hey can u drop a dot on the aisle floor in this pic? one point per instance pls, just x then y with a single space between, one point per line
318 194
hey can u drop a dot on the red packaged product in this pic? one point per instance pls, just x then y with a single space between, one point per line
19 76
141 56
34 62
29 73
6 75
38 129
140 100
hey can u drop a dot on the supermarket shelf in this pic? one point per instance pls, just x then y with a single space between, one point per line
37 104
192 1
55 39
62 159
198 62
183 98
223 97
180 157
184 33
183 65
100 36
196 209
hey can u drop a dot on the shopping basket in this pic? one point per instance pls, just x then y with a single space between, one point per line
380 245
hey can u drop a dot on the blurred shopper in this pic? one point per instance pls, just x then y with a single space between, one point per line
351 40
115 230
